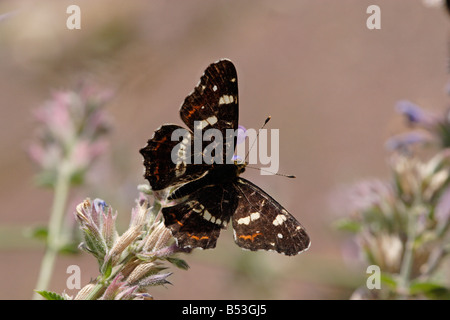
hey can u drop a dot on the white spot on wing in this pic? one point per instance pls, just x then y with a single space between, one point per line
199 209
279 220
226 99
207 215
253 216
245 220
200 125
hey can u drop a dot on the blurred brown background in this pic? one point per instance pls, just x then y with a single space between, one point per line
328 82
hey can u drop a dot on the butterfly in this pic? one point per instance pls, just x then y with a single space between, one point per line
205 196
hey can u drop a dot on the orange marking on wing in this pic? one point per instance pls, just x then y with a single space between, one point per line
160 142
198 238
174 218
251 236
193 110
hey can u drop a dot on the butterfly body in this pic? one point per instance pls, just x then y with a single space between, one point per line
219 175
207 196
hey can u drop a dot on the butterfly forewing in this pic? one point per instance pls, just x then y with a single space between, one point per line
214 101
214 105
160 170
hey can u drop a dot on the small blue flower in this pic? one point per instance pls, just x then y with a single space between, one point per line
100 205
415 114
405 140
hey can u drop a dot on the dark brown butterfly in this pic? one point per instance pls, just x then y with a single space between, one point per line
208 195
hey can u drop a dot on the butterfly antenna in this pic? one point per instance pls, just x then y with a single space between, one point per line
257 135
274 173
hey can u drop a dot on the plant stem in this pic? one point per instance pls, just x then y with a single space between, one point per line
62 186
408 256
96 292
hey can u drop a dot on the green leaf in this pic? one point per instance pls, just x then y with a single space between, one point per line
50 295
107 267
348 225
46 179
93 241
77 178
431 290
69 249
389 280
180 263
39 233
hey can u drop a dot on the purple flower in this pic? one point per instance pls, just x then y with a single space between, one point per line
133 261
71 132
415 114
405 140
100 205
436 128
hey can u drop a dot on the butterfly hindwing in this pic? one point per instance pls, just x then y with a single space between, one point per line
260 222
196 221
